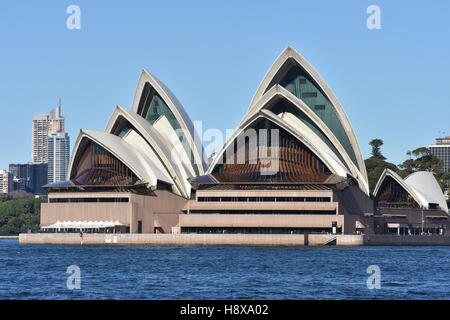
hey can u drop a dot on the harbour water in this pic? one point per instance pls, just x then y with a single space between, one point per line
222 272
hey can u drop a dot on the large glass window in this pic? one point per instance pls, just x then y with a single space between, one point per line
284 105
295 162
97 166
264 199
84 200
391 194
304 88
152 106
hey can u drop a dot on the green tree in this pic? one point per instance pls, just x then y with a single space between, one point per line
376 164
20 215
421 159
376 151
375 168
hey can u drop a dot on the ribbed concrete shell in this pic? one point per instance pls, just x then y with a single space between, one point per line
178 111
422 186
160 142
306 137
156 142
290 55
278 92
426 185
137 162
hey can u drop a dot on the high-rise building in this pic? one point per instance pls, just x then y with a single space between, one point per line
441 150
39 142
29 177
58 157
56 123
43 125
6 181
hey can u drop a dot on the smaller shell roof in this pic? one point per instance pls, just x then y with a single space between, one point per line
422 186
176 107
125 153
425 183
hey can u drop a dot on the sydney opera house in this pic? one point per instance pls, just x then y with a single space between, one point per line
293 165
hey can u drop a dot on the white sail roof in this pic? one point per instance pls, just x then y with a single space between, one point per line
422 186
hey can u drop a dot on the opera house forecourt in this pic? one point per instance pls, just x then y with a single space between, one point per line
292 168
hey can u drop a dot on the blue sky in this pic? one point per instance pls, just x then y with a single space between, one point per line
392 82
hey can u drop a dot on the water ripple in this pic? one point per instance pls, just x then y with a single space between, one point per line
222 272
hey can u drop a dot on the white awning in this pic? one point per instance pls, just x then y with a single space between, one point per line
359 225
83 225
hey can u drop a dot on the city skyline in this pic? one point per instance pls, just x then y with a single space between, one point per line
43 126
360 78
50 153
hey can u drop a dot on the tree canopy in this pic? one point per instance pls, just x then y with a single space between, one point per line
375 168
376 164
19 215
420 159
376 151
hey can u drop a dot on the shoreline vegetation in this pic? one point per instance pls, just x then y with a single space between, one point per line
19 213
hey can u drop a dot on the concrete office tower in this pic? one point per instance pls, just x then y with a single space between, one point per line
29 177
43 125
39 136
55 121
441 150
58 156
6 180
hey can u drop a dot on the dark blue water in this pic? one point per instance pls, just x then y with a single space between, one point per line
222 272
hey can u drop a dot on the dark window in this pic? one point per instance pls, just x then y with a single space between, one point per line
259 230
264 199
315 212
392 195
97 166
309 95
83 200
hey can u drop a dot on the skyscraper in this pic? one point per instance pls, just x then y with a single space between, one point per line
39 142
43 125
58 156
49 144
6 181
55 121
441 150
29 177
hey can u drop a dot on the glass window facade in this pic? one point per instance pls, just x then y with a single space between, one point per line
284 105
303 87
97 166
87 200
442 152
123 127
124 131
307 212
264 199
152 106
296 162
256 230
392 195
